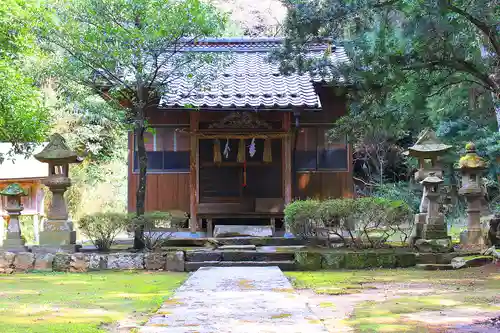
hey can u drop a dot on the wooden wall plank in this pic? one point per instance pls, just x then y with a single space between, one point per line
324 185
163 192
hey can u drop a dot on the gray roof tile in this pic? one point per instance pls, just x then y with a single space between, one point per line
248 80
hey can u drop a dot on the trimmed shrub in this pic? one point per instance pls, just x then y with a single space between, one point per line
102 228
156 227
303 218
365 222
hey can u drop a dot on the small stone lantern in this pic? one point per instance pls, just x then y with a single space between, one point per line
58 230
435 232
428 149
472 166
14 241
435 227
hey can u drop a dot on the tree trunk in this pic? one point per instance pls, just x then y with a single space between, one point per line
142 156
496 105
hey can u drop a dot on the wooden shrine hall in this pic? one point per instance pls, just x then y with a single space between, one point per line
248 145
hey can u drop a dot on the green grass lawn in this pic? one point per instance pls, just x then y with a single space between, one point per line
80 303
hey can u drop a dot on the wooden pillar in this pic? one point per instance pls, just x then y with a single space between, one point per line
273 225
210 228
287 159
193 171
39 210
2 228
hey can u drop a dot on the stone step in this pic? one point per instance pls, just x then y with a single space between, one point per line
257 241
435 267
285 265
229 255
237 247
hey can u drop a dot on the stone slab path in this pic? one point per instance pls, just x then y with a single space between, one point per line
236 300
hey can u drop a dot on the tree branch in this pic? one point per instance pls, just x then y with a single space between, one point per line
449 84
456 64
486 30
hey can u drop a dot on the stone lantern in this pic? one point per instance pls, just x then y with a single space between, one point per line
435 232
428 149
58 230
14 241
472 166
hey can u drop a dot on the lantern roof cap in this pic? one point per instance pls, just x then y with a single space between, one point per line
432 179
13 190
427 142
471 160
57 151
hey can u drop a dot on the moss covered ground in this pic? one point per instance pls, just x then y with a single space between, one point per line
401 300
83 303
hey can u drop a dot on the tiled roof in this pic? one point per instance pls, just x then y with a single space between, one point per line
249 79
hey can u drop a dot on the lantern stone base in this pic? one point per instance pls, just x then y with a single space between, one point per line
420 220
435 231
443 245
475 238
14 245
57 238
72 248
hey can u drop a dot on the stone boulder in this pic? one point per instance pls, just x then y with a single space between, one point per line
24 262
471 261
386 259
360 260
308 261
406 259
175 261
333 260
126 260
97 261
43 262
62 262
434 245
7 262
155 261
79 263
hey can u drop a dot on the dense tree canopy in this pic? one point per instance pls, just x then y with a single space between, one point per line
413 64
130 50
23 116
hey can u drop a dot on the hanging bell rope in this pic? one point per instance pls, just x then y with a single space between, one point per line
268 151
245 174
241 151
217 152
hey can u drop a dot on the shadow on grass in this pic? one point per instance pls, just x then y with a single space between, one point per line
63 302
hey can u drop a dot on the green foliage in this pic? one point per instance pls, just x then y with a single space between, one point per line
27 230
303 217
98 186
400 191
23 116
368 221
401 80
102 228
156 227
128 53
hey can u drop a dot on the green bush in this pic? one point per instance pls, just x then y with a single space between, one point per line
27 228
153 226
102 228
364 222
303 218
401 191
